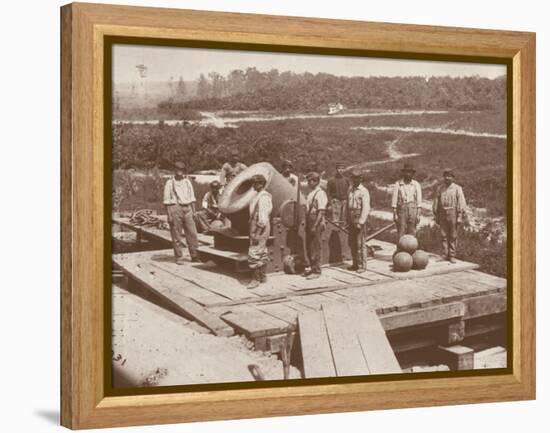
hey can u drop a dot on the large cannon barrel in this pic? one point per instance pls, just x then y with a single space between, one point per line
238 194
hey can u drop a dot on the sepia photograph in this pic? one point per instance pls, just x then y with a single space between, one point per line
287 216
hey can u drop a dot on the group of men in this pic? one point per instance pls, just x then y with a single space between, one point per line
342 202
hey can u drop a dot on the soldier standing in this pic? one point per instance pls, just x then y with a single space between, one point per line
316 205
357 212
337 191
287 173
406 201
260 211
179 199
231 168
449 208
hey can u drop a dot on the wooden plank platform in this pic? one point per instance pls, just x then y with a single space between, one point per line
344 340
443 295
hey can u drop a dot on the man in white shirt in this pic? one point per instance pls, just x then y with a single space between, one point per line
179 199
406 201
316 206
260 209
357 212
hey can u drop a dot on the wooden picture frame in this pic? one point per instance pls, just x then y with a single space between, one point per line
85 227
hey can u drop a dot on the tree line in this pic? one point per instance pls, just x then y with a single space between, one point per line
252 89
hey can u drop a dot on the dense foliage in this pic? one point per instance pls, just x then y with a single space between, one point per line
207 147
274 90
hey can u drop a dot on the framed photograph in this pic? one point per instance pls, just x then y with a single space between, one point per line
265 215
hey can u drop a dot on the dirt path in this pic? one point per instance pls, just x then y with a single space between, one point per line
393 153
213 118
152 346
412 129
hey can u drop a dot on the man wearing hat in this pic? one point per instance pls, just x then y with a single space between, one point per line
449 208
260 212
287 173
179 199
231 168
316 205
357 212
337 191
210 211
406 201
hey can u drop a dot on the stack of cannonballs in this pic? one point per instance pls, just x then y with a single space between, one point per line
407 256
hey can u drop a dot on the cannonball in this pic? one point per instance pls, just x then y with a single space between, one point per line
402 262
420 259
407 243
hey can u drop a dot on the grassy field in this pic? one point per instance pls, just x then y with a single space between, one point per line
479 164
208 147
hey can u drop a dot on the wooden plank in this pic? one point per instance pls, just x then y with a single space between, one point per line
315 347
335 296
486 305
313 301
498 282
192 310
180 302
346 350
340 276
421 316
254 323
376 348
220 284
298 307
279 311
322 281
159 281
276 284
439 289
298 293
457 281
472 281
360 296
370 275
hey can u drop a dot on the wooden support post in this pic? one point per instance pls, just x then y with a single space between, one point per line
276 342
457 332
457 357
260 344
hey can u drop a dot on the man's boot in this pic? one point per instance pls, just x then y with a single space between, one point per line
353 266
263 276
255 281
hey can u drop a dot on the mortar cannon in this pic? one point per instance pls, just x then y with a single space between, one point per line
286 244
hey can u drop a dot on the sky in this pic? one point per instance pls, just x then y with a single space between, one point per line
166 62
